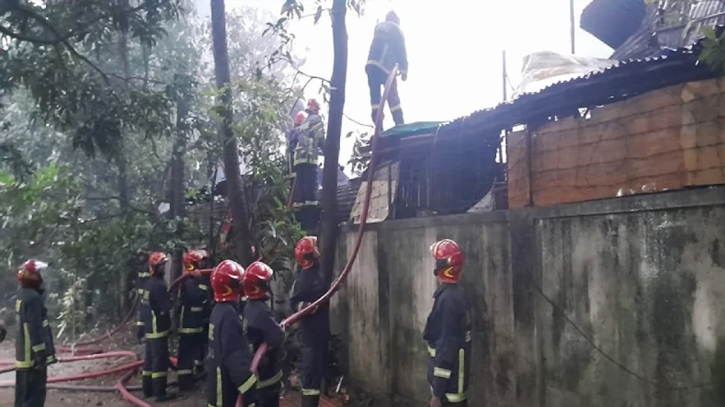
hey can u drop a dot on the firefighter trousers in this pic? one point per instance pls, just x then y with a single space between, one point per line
191 347
314 369
268 396
306 188
30 387
376 81
157 356
146 384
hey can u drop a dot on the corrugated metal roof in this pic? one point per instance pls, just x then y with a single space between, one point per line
647 41
624 80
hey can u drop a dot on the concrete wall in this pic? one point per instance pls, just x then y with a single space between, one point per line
609 303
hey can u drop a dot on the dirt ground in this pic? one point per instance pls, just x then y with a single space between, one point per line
64 398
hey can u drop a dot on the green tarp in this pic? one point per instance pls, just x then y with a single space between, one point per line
411 129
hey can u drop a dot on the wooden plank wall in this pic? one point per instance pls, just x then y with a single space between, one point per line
663 140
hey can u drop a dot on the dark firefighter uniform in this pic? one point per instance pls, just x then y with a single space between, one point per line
315 332
448 335
143 303
310 141
386 50
229 359
34 349
261 327
194 298
157 323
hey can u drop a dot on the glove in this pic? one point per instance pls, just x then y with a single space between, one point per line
40 361
51 359
404 75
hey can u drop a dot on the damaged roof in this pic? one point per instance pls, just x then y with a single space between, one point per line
621 81
613 21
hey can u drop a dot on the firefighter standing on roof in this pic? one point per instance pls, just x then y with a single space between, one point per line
448 329
34 349
157 323
310 140
229 358
315 328
261 328
386 50
194 299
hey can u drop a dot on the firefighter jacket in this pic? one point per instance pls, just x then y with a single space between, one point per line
310 140
261 327
143 298
157 319
448 335
229 359
308 287
34 346
194 298
388 48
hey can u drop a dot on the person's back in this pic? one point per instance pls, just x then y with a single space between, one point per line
386 50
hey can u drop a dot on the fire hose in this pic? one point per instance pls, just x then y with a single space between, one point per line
292 319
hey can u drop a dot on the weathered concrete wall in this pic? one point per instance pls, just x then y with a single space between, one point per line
642 278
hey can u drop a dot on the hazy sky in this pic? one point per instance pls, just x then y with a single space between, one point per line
454 51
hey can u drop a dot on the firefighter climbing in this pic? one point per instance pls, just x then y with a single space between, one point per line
229 359
157 324
448 329
34 345
386 50
193 317
310 140
261 328
315 328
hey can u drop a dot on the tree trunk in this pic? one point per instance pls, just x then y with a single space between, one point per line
123 190
235 189
177 209
332 143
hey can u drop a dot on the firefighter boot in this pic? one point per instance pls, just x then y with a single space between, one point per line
398 117
160 393
147 385
310 401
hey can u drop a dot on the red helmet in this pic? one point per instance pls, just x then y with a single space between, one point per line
392 17
299 119
29 273
306 252
313 107
226 281
449 260
192 259
156 259
256 280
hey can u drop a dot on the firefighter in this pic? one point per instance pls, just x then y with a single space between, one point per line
315 328
311 139
157 324
261 328
448 329
229 357
143 304
34 346
386 50
292 138
194 299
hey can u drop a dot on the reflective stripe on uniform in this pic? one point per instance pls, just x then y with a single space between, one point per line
394 109
248 384
39 348
190 330
184 372
26 342
45 323
431 352
145 373
461 369
196 309
154 330
310 392
144 274
456 398
203 287
140 323
271 381
156 375
444 373
375 107
379 65
219 387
